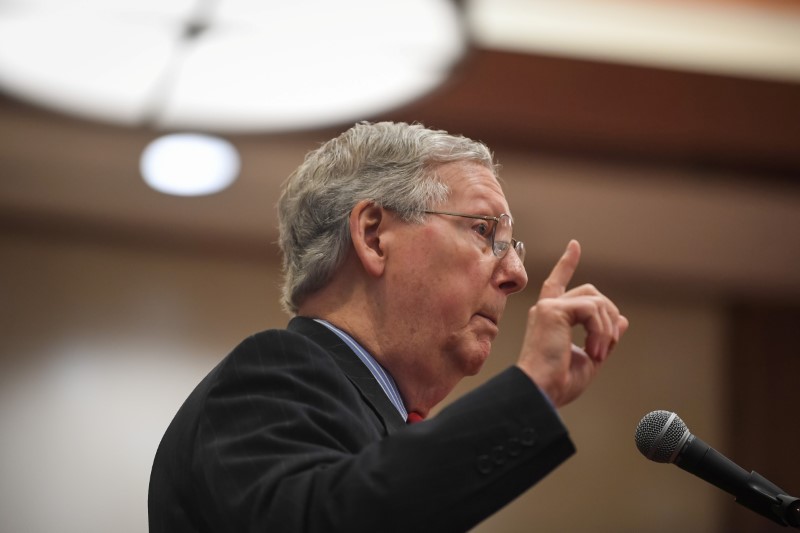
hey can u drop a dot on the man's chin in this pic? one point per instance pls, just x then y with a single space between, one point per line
469 350
474 363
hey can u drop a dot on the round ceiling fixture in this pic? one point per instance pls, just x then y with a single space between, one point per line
227 65
189 164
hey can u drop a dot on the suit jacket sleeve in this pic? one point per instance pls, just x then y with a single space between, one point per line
278 438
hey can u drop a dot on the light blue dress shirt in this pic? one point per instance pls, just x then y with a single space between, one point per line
384 379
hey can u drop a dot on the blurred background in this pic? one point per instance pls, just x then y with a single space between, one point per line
663 135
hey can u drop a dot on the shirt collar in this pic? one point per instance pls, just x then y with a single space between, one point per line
383 378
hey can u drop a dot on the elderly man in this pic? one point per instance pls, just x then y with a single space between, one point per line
399 256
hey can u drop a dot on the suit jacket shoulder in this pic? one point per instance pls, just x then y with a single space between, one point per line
288 433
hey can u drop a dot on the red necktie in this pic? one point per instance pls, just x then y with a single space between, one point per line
414 417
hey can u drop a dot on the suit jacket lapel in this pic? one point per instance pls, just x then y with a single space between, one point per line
351 365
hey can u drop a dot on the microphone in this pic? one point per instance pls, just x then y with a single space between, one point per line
662 437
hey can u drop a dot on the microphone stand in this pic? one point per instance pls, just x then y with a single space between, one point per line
770 501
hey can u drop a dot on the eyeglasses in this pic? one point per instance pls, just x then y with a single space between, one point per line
501 231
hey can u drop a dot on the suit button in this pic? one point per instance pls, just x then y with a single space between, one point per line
499 455
484 464
514 447
528 437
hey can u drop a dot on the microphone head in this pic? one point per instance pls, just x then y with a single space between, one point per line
660 435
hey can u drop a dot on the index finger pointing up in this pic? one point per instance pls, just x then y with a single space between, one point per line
556 283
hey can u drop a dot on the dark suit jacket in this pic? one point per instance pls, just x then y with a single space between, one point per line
291 432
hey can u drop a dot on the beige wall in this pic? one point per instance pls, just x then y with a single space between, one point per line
100 342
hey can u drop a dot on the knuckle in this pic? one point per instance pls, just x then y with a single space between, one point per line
544 305
590 288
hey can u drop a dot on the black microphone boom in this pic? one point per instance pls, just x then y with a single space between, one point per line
662 437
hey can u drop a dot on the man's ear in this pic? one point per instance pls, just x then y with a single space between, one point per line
367 222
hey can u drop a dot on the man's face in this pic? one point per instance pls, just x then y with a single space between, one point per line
448 290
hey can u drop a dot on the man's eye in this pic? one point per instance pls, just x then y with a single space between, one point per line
482 228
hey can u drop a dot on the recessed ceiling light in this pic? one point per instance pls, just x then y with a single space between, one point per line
189 164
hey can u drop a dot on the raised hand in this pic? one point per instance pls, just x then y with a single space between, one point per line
560 369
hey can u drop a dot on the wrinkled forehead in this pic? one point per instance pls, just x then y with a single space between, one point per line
473 186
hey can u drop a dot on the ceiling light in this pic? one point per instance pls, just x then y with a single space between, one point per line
186 164
728 38
231 65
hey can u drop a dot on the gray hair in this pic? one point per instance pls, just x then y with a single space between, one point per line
391 164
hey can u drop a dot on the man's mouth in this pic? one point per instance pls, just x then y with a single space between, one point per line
488 317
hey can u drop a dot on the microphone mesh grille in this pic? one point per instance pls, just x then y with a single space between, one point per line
651 426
